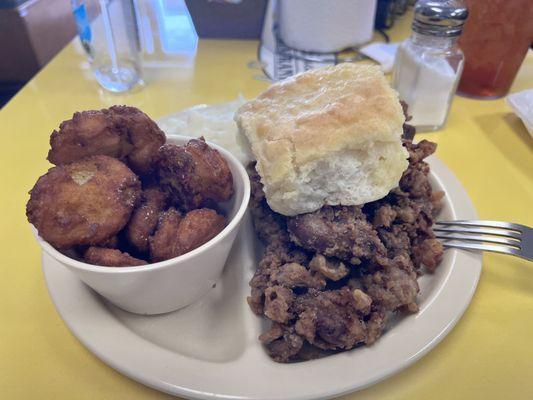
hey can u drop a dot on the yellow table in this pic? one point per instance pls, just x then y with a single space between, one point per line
489 355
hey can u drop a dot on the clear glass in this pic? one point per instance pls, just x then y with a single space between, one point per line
495 41
426 72
108 32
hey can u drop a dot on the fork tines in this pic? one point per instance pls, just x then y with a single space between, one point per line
496 236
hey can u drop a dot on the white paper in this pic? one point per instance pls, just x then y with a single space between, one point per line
522 105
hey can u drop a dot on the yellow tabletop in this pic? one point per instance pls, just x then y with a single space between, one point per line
488 355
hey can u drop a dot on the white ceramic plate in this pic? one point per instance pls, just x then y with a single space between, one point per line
210 350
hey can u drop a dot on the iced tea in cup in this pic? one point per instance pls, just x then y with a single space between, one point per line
495 41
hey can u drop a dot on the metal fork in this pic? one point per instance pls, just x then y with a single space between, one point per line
499 237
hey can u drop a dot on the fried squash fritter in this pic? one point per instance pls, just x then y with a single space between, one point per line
177 234
194 175
145 217
83 203
163 242
110 258
144 135
109 194
121 132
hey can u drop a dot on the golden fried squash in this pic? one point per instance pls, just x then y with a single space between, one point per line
83 203
145 217
122 132
177 235
194 174
110 258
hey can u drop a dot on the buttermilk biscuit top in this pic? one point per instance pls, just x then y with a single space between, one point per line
327 136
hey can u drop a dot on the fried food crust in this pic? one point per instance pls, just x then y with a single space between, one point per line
194 174
144 135
163 242
121 132
112 243
145 217
83 203
110 258
177 235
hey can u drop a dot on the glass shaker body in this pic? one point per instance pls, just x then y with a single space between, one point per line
426 72
108 32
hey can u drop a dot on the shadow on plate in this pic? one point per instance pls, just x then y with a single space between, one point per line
210 329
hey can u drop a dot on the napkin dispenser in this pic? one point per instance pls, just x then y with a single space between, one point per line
325 26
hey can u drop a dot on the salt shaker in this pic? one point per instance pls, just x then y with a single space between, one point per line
428 65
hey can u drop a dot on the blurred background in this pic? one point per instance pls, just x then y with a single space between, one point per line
32 32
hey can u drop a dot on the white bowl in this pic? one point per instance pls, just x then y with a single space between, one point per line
172 284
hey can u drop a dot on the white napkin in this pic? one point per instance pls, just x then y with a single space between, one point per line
383 53
522 105
214 122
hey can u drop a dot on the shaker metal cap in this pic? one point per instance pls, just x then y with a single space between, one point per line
440 17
